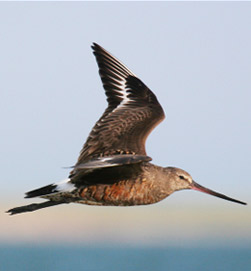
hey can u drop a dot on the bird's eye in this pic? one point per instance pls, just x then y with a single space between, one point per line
182 177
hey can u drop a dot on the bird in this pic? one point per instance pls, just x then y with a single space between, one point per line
113 168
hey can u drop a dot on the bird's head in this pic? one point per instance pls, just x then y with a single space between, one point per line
183 180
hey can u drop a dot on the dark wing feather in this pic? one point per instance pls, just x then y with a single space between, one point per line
132 112
107 169
112 161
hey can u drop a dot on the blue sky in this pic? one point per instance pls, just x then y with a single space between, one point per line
194 56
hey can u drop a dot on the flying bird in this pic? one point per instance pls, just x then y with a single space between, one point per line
113 168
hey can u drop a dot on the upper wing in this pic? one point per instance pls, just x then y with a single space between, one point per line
132 112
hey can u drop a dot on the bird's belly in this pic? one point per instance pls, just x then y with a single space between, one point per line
123 193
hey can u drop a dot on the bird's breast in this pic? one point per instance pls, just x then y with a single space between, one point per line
123 193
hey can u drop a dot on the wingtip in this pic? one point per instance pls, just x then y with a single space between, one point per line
95 46
97 49
11 212
8 212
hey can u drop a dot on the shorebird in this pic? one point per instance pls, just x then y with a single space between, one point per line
113 168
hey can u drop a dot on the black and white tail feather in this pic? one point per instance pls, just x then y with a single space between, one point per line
53 191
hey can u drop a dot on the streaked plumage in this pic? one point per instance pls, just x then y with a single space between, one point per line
113 168
132 112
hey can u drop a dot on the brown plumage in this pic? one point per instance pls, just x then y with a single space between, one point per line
132 112
113 168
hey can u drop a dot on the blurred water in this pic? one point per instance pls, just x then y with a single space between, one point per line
50 258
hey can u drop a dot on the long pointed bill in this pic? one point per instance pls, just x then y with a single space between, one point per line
196 186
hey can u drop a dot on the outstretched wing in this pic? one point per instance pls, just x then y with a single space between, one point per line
132 112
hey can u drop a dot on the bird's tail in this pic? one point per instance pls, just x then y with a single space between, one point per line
45 190
50 192
63 186
33 207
